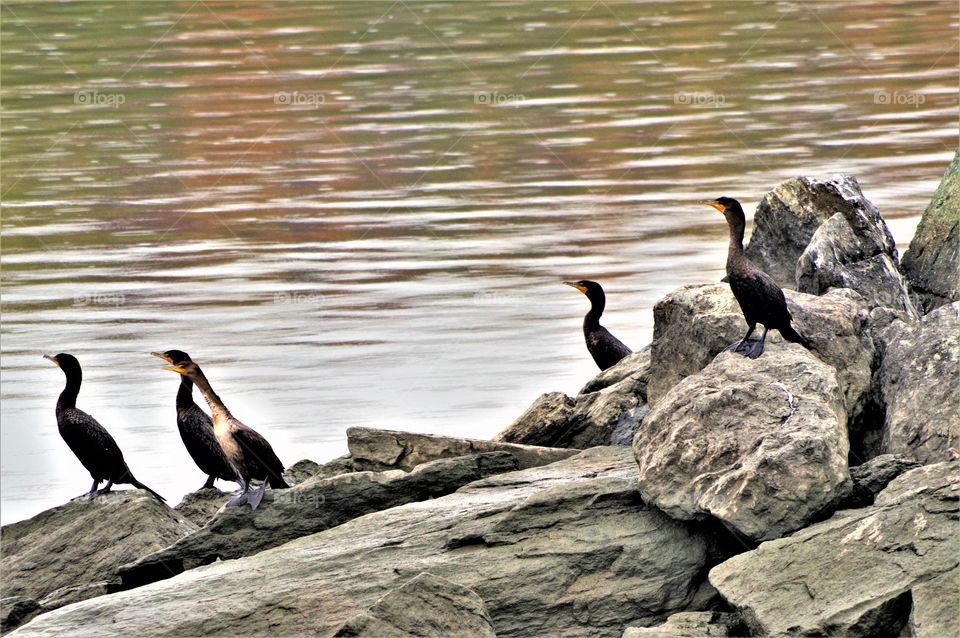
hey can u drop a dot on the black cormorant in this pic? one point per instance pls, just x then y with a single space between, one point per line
245 448
196 428
761 299
606 349
86 438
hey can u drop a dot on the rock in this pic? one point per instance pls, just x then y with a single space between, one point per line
876 571
426 606
695 624
16 610
760 444
378 450
787 218
305 469
606 412
932 263
854 249
919 382
567 549
73 551
312 506
871 477
695 323
200 506
635 366
691 325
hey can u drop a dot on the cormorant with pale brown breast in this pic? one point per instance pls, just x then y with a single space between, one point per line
606 349
245 448
196 428
761 299
86 438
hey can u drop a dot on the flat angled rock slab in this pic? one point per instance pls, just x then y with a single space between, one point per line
426 607
919 381
374 449
874 571
309 507
567 549
759 444
73 551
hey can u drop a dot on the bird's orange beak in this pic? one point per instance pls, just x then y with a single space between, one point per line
160 355
715 204
177 369
574 284
52 358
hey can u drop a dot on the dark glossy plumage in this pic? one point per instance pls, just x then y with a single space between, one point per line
760 298
87 439
605 349
248 451
196 428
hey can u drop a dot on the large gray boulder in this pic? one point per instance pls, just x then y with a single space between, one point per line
885 570
694 323
73 551
870 478
854 249
312 506
760 444
787 218
692 624
378 450
932 263
425 607
608 410
567 549
919 382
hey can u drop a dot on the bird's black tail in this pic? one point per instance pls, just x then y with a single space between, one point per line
134 482
790 334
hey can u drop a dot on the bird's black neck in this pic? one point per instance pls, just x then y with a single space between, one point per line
68 398
185 394
735 246
598 302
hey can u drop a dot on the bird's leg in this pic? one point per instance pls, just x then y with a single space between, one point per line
755 349
738 345
257 496
106 488
209 483
241 498
93 490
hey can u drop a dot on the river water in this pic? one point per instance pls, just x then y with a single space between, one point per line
361 213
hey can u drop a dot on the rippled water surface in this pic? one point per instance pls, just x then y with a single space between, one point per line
361 213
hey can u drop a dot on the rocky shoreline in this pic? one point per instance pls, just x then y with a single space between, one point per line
683 492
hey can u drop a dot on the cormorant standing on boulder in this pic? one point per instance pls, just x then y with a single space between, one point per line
761 299
196 428
86 438
606 349
245 448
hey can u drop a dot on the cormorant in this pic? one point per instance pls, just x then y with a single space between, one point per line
196 428
245 448
87 439
606 349
761 299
